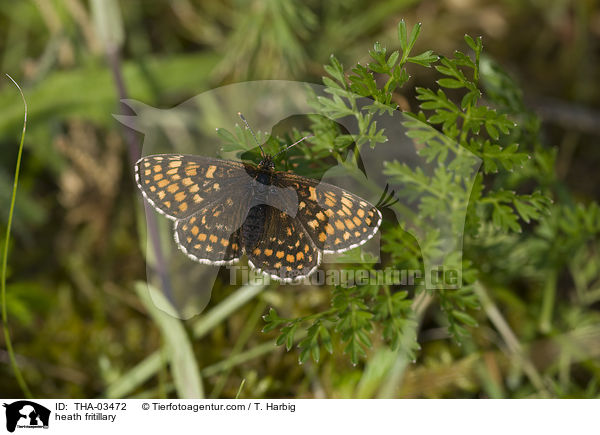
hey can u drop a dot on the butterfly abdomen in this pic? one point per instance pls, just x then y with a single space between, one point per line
254 226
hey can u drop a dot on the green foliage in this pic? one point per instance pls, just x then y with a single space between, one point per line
186 375
362 83
526 317
4 266
357 312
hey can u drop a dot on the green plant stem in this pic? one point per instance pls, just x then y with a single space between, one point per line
510 339
392 382
249 328
229 363
240 358
237 396
9 347
153 363
549 296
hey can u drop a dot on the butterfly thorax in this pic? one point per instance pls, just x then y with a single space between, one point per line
264 175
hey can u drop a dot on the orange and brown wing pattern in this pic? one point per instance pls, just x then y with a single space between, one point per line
210 200
206 241
179 185
285 252
212 234
335 219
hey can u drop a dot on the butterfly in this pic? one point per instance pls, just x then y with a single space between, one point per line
281 221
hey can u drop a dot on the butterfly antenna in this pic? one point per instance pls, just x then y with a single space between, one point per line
253 135
294 144
387 198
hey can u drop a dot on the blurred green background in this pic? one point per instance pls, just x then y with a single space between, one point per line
82 327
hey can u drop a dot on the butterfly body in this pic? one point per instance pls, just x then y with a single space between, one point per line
253 227
281 221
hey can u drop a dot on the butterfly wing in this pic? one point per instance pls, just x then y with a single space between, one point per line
210 240
285 252
335 219
179 185
207 198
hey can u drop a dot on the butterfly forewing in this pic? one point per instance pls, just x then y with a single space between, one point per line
180 185
335 219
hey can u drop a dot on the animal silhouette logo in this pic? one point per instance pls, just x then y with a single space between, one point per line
26 414
396 176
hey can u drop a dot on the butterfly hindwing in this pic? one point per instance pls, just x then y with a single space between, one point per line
285 252
212 234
